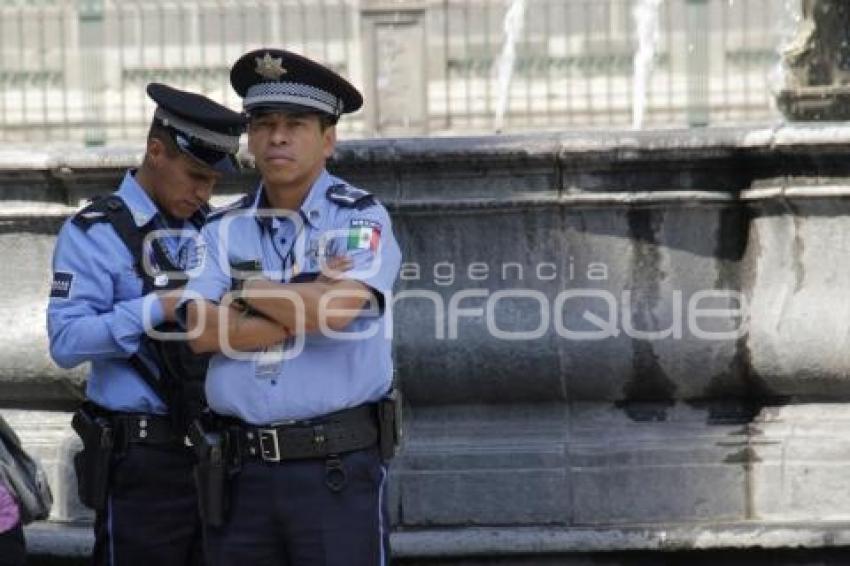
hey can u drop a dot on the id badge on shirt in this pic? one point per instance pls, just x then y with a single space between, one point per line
269 362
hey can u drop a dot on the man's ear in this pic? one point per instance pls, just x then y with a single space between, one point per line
155 151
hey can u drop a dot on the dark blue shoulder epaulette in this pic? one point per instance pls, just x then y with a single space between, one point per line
243 202
96 211
349 197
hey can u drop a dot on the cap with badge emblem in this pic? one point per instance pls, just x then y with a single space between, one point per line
202 129
275 79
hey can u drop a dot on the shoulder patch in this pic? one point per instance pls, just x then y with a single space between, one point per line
349 197
61 286
364 234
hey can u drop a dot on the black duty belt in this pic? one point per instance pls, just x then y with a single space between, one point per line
145 429
333 434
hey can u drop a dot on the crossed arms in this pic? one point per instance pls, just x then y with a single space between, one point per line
265 313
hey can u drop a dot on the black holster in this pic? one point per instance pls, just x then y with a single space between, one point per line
389 424
212 474
92 464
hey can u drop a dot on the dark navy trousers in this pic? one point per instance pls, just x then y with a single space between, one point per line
284 514
152 515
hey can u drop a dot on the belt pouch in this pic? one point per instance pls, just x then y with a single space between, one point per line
389 422
211 479
92 464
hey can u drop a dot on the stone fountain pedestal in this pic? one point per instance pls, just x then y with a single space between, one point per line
645 439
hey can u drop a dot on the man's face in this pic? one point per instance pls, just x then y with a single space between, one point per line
185 184
290 148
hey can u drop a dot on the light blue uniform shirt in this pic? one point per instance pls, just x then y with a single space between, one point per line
95 313
328 374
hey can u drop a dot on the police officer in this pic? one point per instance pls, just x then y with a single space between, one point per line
298 390
113 266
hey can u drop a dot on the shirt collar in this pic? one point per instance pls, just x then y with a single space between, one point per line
137 200
313 209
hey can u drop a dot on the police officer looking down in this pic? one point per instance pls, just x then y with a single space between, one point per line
295 472
116 266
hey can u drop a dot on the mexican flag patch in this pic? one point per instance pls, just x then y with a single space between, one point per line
364 235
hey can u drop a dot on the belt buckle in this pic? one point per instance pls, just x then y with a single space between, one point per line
269 447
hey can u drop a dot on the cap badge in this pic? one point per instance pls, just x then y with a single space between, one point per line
270 67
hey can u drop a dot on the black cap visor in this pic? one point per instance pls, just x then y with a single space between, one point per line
216 159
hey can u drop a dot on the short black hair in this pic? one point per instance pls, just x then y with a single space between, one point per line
326 121
159 132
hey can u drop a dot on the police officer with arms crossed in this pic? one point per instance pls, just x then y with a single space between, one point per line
306 466
115 268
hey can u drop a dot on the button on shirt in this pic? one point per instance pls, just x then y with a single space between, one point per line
99 315
329 373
